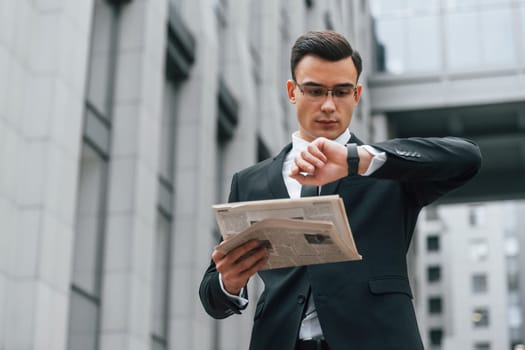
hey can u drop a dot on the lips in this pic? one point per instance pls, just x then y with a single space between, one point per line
327 121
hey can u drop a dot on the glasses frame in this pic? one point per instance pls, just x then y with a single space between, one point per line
322 97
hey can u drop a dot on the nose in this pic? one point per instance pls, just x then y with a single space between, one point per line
328 103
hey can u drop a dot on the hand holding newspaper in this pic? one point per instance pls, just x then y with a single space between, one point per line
303 231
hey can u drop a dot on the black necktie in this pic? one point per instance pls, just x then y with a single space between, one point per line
309 191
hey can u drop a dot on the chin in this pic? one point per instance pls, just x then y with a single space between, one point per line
332 135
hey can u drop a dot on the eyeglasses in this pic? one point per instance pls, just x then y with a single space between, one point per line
316 93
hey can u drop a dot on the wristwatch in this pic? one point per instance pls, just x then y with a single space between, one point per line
352 158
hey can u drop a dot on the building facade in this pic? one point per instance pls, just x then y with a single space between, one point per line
467 276
121 123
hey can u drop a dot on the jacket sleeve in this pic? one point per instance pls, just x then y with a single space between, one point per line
429 167
215 302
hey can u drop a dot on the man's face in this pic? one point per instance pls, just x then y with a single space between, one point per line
326 116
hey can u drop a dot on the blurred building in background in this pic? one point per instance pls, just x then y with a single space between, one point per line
457 67
467 272
122 122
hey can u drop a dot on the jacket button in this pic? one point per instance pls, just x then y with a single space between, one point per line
301 299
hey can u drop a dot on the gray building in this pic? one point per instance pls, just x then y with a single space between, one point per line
467 276
121 123
449 67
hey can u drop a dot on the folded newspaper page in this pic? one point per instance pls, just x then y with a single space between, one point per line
303 231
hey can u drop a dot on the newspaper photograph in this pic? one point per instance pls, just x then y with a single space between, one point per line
296 232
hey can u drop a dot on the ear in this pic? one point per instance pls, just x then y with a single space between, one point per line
357 94
290 86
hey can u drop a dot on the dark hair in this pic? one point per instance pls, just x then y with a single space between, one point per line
326 44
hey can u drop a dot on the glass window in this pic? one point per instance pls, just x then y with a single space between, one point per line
167 131
463 40
433 274
91 197
83 318
478 250
482 346
431 213
514 316
100 58
522 22
157 345
162 258
479 283
435 305
89 218
513 273
423 48
390 34
160 282
459 4
436 336
382 7
418 6
494 2
433 243
480 317
477 215
96 130
498 45
512 246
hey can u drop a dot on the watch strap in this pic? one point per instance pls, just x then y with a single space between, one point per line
352 158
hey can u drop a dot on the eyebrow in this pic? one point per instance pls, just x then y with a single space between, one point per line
312 83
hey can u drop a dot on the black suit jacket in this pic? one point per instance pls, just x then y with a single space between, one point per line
362 305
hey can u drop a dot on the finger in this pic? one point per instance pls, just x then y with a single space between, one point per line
241 250
246 263
244 270
315 151
303 165
216 256
238 274
255 268
311 180
314 158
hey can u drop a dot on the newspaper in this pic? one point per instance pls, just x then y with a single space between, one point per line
303 231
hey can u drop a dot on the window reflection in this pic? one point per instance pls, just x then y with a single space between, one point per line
522 35
429 36
463 40
497 45
423 44
82 323
388 35
89 219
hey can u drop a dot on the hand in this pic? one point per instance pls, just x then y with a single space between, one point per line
240 264
325 161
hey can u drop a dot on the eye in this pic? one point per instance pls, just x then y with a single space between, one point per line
341 92
315 91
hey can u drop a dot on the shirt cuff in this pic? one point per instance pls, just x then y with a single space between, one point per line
237 299
377 162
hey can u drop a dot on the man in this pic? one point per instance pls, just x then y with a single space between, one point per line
357 305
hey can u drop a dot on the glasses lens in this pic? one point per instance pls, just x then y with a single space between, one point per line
318 93
342 92
315 92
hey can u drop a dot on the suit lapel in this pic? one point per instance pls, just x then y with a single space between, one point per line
275 174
